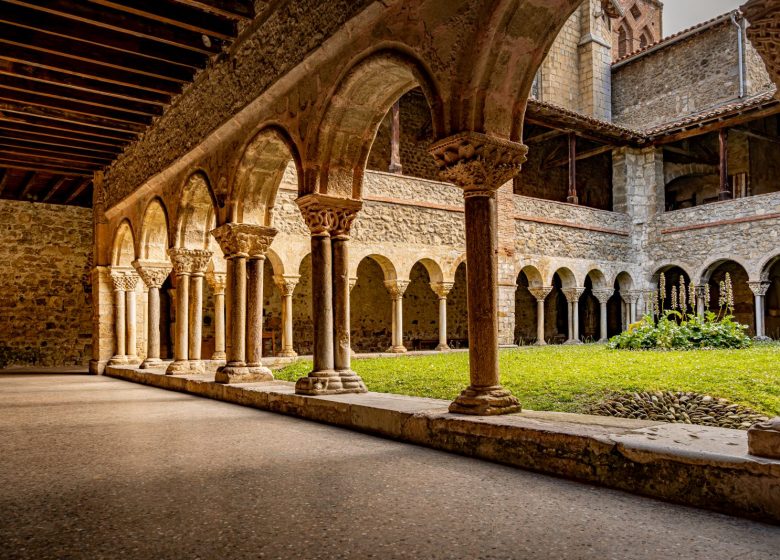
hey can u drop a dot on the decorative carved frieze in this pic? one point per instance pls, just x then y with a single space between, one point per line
286 284
396 288
329 214
759 288
477 163
540 292
152 273
244 240
442 289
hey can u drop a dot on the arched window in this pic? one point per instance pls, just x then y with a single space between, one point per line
625 40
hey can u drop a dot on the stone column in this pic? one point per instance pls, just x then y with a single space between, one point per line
254 317
396 289
759 290
603 297
442 289
701 303
632 300
131 317
480 165
238 242
199 261
153 275
286 285
573 296
217 281
329 219
180 260
540 293
118 279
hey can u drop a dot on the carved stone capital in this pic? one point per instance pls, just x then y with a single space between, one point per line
573 295
153 274
396 288
631 296
442 289
477 163
329 214
540 292
244 240
759 288
286 284
120 278
603 295
217 281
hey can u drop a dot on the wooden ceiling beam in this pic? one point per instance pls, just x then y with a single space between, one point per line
4 179
87 122
544 136
234 9
54 188
65 131
10 164
178 15
10 145
85 69
125 24
60 160
27 184
92 53
78 190
32 87
46 143
580 156
55 138
724 122
53 78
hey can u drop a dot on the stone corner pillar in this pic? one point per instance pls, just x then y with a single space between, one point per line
442 290
480 164
261 241
764 439
286 285
329 220
217 282
759 290
153 275
102 319
397 289
573 296
603 295
540 293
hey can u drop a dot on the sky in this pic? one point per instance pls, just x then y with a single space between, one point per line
681 14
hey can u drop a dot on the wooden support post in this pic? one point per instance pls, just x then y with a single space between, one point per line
725 189
395 139
572 198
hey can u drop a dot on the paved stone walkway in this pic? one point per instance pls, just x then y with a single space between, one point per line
92 467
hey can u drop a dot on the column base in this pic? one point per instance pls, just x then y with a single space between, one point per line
540 343
485 401
178 367
197 366
287 354
260 370
764 439
602 341
240 373
117 361
396 350
151 363
762 339
133 360
219 356
330 383
443 348
573 342
97 367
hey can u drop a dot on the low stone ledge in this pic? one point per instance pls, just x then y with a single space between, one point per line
690 465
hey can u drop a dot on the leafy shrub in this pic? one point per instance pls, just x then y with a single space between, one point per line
676 331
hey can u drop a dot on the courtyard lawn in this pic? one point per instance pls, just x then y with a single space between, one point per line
570 378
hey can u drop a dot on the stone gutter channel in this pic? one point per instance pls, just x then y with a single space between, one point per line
690 465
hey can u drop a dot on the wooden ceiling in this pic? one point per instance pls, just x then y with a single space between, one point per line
80 79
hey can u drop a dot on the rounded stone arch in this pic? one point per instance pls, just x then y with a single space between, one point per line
511 43
435 272
123 249
363 95
155 232
704 273
389 269
765 266
597 278
535 279
259 171
654 276
623 281
276 262
674 171
568 278
625 39
452 270
197 214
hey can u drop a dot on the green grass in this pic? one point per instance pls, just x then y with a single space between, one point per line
569 378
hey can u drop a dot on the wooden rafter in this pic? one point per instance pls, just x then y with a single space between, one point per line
580 156
78 190
54 188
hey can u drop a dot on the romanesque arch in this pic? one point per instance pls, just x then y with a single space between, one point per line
123 248
196 215
154 242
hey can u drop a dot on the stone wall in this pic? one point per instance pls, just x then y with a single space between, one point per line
685 77
45 301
